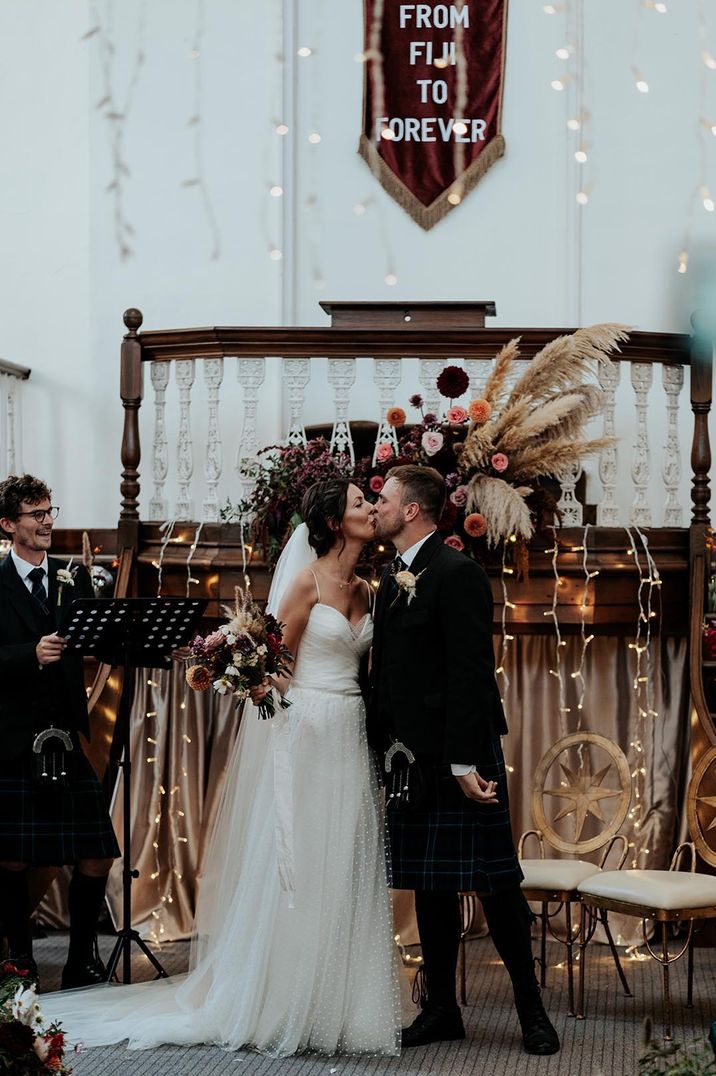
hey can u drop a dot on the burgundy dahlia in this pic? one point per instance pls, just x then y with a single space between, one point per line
416 400
452 382
16 1038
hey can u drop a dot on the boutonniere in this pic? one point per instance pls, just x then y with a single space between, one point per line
65 578
407 583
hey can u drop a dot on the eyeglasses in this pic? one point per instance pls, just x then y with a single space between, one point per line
39 513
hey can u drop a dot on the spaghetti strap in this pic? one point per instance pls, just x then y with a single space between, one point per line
315 580
371 596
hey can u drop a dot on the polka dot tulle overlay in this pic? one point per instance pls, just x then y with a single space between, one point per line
311 971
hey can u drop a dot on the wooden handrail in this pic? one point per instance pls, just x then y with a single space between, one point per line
480 343
22 373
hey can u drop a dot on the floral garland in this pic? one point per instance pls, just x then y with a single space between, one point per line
502 456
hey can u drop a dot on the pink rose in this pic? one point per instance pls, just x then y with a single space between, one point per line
459 497
376 483
216 639
499 461
385 451
455 543
432 442
457 414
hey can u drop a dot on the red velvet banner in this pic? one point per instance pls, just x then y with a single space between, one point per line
432 100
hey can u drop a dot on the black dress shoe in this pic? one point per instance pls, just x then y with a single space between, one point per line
433 1025
90 972
538 1034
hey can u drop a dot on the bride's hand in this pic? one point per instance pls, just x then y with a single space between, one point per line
477 788
259 693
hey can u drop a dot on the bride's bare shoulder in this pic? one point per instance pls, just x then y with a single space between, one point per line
302 589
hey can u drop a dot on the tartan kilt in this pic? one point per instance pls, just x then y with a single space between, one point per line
451 842
51 827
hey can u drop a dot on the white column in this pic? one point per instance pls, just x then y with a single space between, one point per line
213 376
185 448
250 374
673 381
341 378
608 509
429 372
568 504
159 372
386 375
296 376
642 375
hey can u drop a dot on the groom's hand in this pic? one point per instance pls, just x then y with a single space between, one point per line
477 788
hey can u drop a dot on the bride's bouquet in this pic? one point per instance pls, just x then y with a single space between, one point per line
26 1046
240 654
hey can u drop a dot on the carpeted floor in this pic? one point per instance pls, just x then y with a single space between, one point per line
605 1044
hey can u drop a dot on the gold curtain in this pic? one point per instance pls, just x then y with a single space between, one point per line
194 734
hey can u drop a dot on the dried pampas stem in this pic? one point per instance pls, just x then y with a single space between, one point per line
503 506
555 458
503 363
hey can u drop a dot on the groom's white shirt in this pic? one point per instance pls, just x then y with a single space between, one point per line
459 769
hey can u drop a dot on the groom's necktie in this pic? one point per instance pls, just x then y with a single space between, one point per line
38 592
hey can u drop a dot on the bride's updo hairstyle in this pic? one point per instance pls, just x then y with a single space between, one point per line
323 508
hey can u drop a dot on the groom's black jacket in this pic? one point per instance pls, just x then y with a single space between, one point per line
433 670
32 698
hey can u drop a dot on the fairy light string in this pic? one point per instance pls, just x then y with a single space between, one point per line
558 670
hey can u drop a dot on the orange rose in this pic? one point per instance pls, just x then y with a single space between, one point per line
475 525
479 411
395 416
198 677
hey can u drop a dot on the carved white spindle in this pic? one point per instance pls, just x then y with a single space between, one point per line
608 509
673 381
341 378
477 370
386 374
213 376
430 370
159 372
568 504
250 374
642 375
185 447
296 375
11 409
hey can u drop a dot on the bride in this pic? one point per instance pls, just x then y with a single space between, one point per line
292 943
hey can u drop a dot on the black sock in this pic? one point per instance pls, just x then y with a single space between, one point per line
86 896
15 911
439 926
510 921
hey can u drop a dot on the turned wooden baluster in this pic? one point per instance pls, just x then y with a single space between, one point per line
701 376
130 382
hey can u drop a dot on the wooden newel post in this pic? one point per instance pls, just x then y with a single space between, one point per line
701 377
131 392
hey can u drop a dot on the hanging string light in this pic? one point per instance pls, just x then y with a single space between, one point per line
117 113
198 180
557 670
705 128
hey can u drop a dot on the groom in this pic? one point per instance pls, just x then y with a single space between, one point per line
433 689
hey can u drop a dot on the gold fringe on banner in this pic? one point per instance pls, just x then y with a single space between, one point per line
428 216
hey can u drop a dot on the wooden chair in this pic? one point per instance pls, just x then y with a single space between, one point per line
556 881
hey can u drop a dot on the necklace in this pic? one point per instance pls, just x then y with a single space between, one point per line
339 584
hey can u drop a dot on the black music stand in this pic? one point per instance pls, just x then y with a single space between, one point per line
131 633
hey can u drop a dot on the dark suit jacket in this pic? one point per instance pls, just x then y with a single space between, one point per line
32 698
433 670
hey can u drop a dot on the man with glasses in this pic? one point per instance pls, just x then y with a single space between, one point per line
52 808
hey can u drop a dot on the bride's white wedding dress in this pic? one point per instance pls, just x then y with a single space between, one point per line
311 970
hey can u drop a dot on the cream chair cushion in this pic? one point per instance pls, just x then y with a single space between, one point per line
667 890
555 873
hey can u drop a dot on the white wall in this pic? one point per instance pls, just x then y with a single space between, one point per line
519 238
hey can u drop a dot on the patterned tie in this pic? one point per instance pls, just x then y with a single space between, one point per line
37 576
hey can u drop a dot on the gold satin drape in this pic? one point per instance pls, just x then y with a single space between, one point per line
193 735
